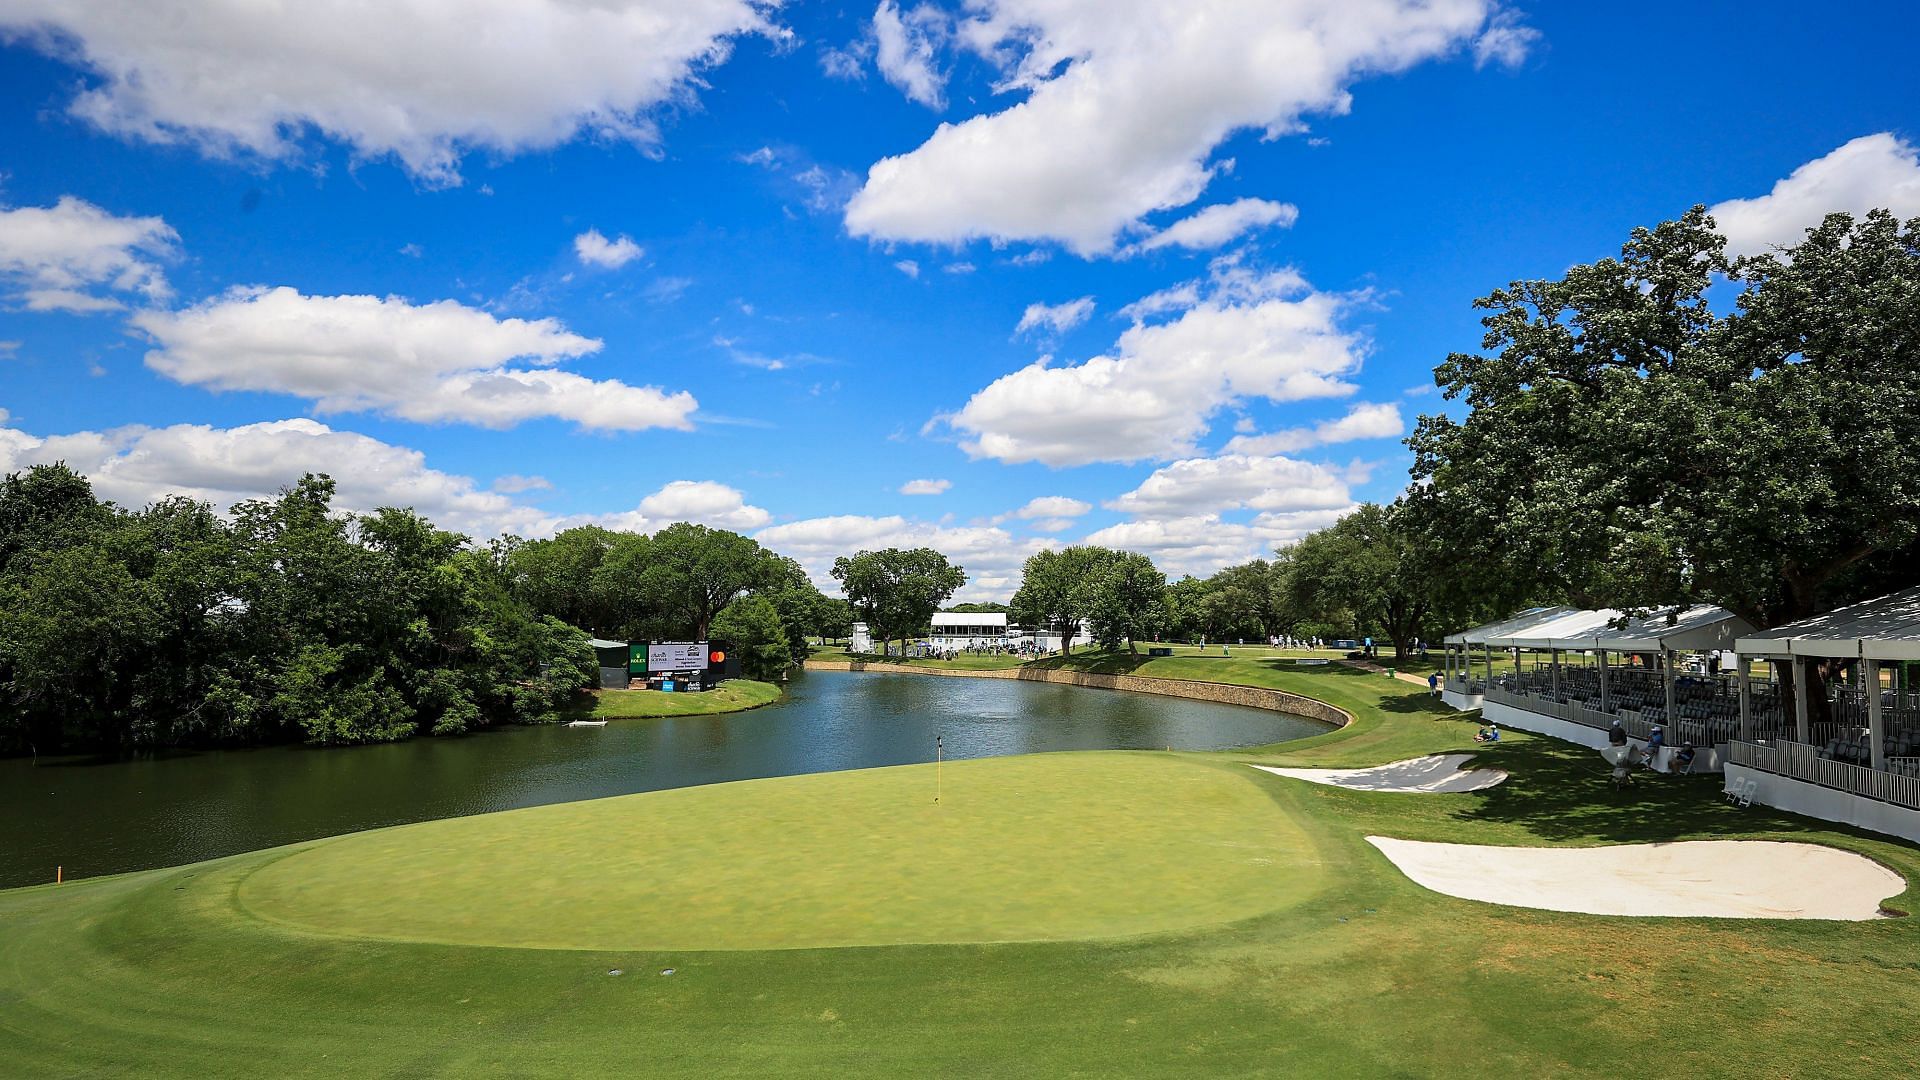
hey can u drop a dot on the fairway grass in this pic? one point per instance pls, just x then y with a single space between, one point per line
1017 849
1345 968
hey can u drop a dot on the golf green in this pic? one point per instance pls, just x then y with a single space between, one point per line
1015 849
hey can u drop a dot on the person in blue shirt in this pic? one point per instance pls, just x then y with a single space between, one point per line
1433 684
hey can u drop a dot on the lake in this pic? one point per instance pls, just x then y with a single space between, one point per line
96 817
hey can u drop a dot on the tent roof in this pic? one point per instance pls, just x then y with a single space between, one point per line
1688 629
1572 630
1481 635
1884 628
1694 629
603 643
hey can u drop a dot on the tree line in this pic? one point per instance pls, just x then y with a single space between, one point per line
124 630
173 626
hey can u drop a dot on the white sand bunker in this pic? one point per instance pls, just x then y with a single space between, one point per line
1727 879
1435 773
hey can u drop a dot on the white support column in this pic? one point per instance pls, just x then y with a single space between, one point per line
1606 696
1666 662
1744 666
1802 713
1876 722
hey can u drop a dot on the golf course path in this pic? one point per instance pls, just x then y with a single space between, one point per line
1728 879
1433 774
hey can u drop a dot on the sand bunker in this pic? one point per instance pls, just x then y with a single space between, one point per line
1728 879
1436 773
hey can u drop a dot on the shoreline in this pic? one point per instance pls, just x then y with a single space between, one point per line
1257 697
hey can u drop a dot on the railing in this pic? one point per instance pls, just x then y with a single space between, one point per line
1802 762
1571 711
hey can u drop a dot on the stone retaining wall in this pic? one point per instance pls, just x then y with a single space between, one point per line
1257 697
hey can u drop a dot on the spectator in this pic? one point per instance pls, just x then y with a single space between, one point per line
1433 683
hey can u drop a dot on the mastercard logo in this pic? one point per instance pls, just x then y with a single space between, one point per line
718 657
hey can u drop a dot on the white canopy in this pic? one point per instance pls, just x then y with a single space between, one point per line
1573 630
1696 629
1488 634
1886 628
993 619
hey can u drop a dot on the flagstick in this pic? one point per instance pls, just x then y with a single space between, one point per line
939 782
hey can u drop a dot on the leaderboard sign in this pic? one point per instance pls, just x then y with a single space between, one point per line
669 656
677 656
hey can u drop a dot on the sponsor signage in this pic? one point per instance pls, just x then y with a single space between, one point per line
677 656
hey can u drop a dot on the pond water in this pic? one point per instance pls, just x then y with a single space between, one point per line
107 817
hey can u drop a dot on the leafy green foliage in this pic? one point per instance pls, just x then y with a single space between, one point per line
124 630
897 591
1630 446
1051 594
1124 599
752 628
1370 564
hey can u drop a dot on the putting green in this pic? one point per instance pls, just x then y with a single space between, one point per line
1017 849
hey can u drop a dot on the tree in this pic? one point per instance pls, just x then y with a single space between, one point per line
560 577
752 628
1369 564
1629 446
1123 599
802 607
1049 593
898 591
691 572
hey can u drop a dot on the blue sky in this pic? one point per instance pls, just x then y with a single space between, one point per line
767 266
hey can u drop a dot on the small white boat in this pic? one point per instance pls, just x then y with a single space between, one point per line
586 723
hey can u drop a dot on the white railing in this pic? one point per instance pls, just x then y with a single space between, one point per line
1803 762
1571 711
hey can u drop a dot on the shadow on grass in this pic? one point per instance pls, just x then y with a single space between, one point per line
1564 793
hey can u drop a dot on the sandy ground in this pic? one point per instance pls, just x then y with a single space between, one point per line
1434 774
1732 879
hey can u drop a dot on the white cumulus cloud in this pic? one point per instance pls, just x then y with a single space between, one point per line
421 80
137 465
1056 318
702 502
1246 334
1872 172
925 487
906 45
1367 420
991 556
1221 224
1201 544
1233 482
595 249
441 361
1126 100
59 257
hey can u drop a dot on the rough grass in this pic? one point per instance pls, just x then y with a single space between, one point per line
160 973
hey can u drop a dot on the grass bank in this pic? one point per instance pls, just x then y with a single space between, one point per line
1201 919
734 695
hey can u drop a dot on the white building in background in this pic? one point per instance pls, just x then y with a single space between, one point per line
959 630
968 629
